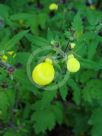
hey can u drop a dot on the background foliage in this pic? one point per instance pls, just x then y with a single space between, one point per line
27 25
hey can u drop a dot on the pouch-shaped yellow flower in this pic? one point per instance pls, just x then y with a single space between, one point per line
73 65
43 73
53 7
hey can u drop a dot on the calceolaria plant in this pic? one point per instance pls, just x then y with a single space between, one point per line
50 68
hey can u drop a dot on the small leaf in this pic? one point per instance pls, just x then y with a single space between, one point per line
44 119
63 92
89 64
9 45
36 40
47 98
77 25
76 91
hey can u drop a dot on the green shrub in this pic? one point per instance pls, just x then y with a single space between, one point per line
33 32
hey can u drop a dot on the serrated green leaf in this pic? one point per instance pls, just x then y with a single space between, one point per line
47 98
22 58
44 119
85 76
94 17
7 100
76 91
58 111
92 92
91 43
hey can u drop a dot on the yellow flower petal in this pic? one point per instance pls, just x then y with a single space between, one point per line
53 6
48 60
11 52
70 56
73 65
4 58
72 45
43 74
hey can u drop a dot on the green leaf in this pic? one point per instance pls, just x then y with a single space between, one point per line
91 43
86 75
42 18
11 132
23 16
89 64
92 92
12 42
44 119
92 49
20 76
77 25
45 101
6 38
96 122
7 100
47 98
22 57
94 17
58 111
80 122
76 91
36 40
4 11
63 91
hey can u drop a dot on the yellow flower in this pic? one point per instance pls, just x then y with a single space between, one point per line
53 7
11 52
4 58
70 56
72 45
73 65
43 73
48 60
